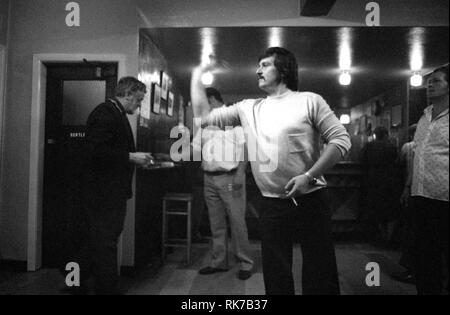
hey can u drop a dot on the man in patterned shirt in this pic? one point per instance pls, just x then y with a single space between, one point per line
430 185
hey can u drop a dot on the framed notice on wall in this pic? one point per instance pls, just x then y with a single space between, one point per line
170 104
165 81
363 124
181 113
156 99
396 116
146 103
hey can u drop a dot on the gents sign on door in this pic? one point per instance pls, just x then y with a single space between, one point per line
75 135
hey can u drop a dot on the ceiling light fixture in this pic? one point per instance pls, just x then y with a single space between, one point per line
345 78
209 42
207 78
416 80
276 37
345 119
345 38
416 41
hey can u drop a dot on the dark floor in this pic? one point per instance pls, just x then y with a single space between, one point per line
175 278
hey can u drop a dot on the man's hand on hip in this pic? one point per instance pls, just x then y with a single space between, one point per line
297 186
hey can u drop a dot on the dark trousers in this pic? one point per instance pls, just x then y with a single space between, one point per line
105 226
432 244
280 222
407 238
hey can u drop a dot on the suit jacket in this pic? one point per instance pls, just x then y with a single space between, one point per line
109 140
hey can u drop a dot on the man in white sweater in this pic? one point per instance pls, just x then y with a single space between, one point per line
283 135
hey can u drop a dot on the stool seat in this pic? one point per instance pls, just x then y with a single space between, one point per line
169 210
178 197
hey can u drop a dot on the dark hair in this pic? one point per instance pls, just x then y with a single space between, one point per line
444 70
212 92
129 85
381 133
286 64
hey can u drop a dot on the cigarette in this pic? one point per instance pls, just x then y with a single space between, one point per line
295 202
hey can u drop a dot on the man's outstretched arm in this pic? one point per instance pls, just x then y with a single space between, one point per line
199 99
220 117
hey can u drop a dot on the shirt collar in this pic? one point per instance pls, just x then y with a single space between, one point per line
445 112
281 95
118 106
429 112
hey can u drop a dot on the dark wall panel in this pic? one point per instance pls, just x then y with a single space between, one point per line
154 136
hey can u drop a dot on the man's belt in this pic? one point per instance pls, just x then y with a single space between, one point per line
219 173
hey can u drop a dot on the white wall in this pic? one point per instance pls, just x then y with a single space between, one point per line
38 27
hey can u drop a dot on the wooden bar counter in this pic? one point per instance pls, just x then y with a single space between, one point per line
152 185
345 186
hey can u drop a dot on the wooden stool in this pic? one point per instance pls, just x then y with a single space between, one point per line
169 210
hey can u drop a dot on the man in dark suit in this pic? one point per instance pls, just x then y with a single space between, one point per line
110 160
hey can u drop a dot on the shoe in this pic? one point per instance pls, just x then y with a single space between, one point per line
244 275
211 270
405 277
